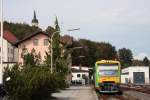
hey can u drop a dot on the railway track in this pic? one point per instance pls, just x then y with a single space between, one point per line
126 87
111 97
102 97
116 97
139 88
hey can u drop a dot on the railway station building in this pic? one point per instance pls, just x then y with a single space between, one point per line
135 75
80 75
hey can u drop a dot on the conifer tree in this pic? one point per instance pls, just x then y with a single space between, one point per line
59 62
146 61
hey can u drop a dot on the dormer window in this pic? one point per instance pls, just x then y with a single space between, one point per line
35 42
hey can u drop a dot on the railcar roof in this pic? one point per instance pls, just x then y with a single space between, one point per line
107 61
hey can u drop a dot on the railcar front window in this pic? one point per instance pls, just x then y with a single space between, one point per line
108 72
108 69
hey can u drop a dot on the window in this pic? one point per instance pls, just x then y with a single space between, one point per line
83 75
108 72
0 58
46 42
35 42
78 75
8 50
12 51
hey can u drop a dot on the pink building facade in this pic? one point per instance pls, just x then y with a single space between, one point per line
37 41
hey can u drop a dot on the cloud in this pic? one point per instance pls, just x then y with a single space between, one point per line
141 56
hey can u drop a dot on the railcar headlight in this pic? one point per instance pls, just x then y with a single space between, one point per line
101 84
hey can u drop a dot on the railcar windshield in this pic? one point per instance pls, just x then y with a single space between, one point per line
108 69
108 72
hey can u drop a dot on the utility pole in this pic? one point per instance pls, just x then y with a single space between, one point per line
2 88
1 45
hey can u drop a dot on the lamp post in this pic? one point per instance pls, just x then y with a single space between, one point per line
52 45
1 45
69 59
80 57
70 56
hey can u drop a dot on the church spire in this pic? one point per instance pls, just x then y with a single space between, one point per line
56 24
35 20
34 14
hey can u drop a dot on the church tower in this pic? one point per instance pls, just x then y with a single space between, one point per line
34 20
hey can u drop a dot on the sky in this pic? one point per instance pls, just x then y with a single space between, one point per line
123 23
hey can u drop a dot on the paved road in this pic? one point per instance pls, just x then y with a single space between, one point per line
77 93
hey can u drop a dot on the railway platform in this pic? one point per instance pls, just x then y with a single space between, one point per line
76 93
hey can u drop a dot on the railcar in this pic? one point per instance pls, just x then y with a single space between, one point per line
107 76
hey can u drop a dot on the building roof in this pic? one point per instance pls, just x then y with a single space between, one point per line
78 70
81 66
32 35
131 68
9 37
37 33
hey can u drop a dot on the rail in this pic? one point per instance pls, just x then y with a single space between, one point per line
144 88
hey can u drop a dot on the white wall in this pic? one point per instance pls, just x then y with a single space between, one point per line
139 69
16 54
10 52
5 50
128 73
123 78
74 75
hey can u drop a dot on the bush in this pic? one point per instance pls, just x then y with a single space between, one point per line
31 83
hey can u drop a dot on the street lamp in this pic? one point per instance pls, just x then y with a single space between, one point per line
74 48
52 45
80 57
73 29
69 60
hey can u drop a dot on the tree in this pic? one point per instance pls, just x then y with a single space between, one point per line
59 62
32 58
30 83
146 61
20 30
136 62
125 57
93 51
56 43
50 30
